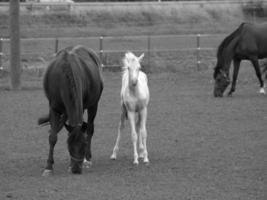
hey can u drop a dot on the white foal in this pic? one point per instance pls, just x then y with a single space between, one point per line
134 101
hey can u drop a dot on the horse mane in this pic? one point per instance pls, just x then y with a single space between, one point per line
221 48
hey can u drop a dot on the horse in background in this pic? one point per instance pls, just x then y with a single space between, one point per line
247 42
72 84
134 102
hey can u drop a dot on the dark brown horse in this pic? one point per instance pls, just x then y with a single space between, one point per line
72 84
247 42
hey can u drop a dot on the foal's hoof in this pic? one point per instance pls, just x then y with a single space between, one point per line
87 164
146 161
47 172
262 91
136 163
113 157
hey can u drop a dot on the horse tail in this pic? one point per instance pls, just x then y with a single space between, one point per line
231 39
42 121
73 99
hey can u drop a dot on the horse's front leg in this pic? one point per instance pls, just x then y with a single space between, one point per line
256 66
143 134
235 74
131 116
56 126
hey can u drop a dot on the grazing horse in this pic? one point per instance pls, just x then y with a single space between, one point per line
247 42
134 102
72 84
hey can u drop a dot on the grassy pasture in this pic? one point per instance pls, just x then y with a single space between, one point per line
200 147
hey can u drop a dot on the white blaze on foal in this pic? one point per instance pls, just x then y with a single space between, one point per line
134 101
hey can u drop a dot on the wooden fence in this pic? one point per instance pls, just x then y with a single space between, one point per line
43 47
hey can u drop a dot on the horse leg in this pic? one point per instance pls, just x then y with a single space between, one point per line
55 128
90 131
235 74
143 134
120 127
131 116
138 129
256 66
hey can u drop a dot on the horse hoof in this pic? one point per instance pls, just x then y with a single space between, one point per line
113 157
136 163
87 164
262 91
146 161
47 172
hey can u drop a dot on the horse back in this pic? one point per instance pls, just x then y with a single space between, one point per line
73 82
253 40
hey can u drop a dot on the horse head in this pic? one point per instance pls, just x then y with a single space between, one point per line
222 80
132 65
77 142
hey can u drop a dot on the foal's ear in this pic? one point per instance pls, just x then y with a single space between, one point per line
140 58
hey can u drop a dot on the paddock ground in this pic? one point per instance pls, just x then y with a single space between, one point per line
200 147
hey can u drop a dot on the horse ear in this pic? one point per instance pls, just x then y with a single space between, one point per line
140 58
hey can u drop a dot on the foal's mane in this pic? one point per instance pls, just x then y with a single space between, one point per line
222 46
128 55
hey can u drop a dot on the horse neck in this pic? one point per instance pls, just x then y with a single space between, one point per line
225 58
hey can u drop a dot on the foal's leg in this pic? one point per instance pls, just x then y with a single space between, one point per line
256 66
56 126
131 116
235 74
143 133
140 139
91 112
120 127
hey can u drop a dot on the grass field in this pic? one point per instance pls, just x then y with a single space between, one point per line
200 147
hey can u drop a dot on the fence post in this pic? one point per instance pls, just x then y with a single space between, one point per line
198 51
101 51
1 52
56 45
148 50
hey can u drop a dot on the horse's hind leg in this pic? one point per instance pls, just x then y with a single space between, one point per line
143 134
55 128
256 66
120 127
90 131
235 74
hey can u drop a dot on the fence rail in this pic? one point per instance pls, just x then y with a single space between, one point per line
194 43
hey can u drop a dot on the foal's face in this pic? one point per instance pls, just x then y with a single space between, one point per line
134 73
132 63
